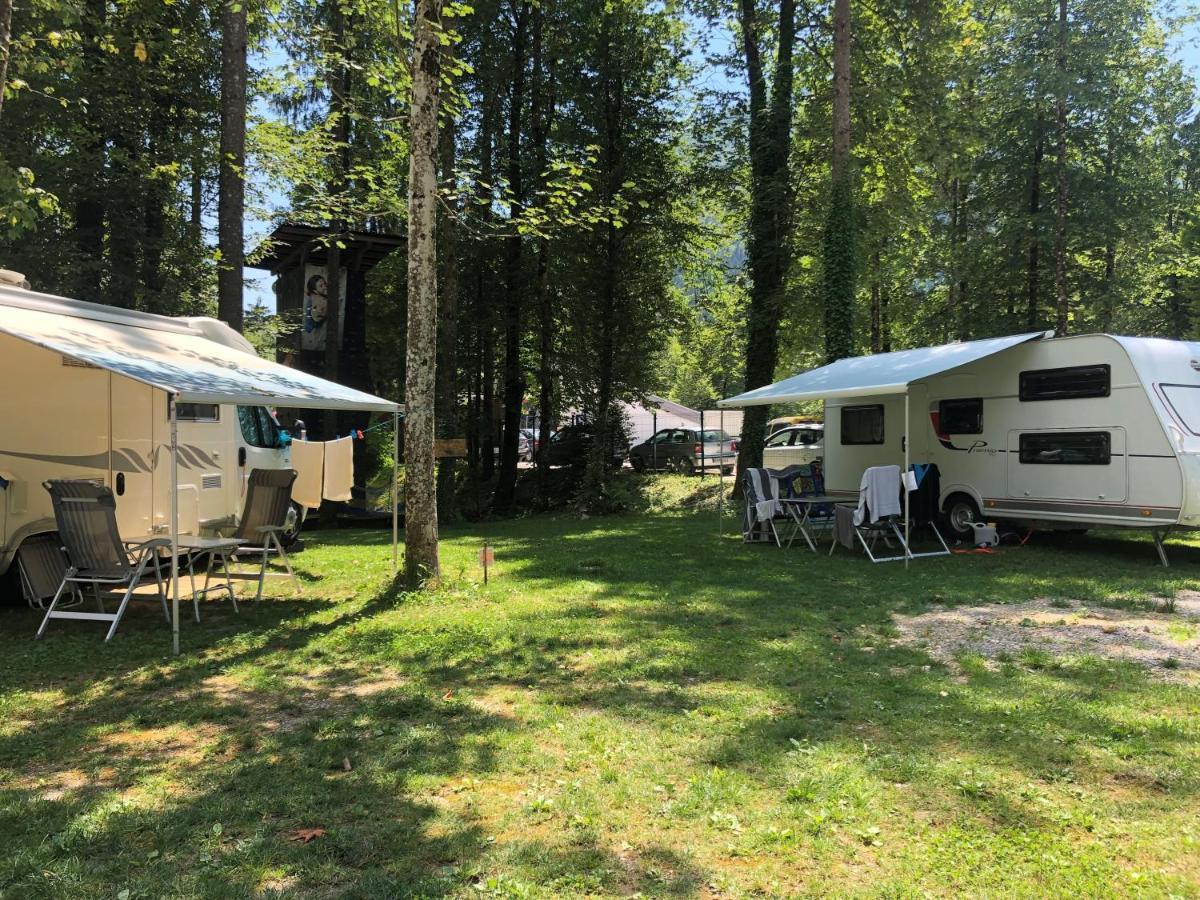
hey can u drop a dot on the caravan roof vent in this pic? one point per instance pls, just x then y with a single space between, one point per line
9 278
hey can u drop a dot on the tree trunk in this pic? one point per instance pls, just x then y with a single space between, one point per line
5 35
231 186
514 377
1035 206
876 306
840 257
447 349
91 173
1060 200
768 251
420 494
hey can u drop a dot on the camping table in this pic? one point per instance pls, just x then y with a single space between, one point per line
800 509
199 547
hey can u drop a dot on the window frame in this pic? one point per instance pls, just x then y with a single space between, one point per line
1021 449
1025 393
1180 417
861 409
942 426
788 438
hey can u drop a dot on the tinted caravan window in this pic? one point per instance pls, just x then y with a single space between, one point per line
1071 383
862 424
197 412
1066 448
961 416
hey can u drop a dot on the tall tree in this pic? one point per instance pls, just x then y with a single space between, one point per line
420 491
231 202
770 215
1062 310
839 251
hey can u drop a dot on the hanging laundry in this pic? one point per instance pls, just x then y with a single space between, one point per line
339 469
308 459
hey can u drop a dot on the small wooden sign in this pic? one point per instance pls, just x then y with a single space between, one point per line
486 559
450 448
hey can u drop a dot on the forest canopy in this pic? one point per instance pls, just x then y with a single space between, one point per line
679 198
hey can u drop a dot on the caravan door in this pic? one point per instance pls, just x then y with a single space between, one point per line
1087 464
131 454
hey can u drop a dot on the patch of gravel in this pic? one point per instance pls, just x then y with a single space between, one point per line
1166 644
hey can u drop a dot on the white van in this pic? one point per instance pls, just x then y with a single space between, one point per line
1079 431
62 418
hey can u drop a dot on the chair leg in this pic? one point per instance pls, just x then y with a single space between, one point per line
121 610
53 603
228 580
286 562
262 572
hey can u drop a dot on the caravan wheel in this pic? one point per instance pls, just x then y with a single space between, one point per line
962 512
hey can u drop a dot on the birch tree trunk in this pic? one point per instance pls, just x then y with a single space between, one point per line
420 490
231 197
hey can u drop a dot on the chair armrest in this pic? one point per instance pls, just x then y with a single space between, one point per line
270 529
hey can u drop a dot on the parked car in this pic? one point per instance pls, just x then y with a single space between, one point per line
685 450
795 445
572 445
529 444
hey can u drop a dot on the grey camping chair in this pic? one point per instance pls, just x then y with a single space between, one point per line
264 519
86 514
761 490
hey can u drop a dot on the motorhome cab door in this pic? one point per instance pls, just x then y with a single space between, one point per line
1086 464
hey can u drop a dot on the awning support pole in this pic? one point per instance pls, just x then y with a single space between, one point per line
395 489
907 552
174 417
721 476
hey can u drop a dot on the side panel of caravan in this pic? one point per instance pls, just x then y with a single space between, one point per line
859 433
53 424
1018 450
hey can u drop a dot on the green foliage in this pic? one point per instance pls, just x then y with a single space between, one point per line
839 261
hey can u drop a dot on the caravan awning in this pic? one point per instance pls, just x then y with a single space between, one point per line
883 373
199 360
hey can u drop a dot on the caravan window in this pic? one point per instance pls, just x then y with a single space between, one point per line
1066 448
1185 403
961 416
1071 383
258 427
197 412
862 424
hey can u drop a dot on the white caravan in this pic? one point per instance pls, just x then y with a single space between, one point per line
61 417
1071 432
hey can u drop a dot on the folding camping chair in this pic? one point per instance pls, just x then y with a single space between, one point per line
881 485
86 514
761 490
264 518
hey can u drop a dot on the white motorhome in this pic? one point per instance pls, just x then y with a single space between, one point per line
62 417
1070 432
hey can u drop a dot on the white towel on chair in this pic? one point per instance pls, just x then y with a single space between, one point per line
308 459
339 469
879 491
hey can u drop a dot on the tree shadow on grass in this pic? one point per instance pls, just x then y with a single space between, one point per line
172 776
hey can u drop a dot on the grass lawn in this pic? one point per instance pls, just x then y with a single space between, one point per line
632 705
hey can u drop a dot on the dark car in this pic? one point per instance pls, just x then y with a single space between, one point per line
685 450
572 445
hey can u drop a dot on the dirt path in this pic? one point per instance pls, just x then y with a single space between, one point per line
1167 644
